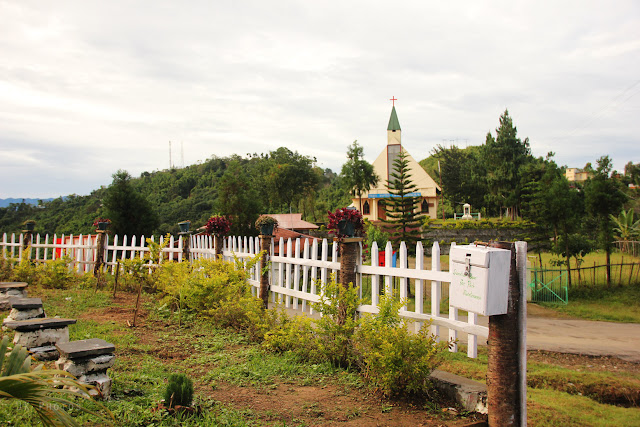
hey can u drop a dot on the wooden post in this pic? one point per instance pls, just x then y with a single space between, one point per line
26 240
348 265
349 261
102 237
217 243
115 283
505 342
186 245
265 246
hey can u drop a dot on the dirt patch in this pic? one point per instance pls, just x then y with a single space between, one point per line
121 310
329 405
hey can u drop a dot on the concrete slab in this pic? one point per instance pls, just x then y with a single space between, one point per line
12 285
38 324
85 348
469 394
26 303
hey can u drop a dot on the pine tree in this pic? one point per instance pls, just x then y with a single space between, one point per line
130 212
505 155
401 207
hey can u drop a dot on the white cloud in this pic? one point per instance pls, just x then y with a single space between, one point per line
124 78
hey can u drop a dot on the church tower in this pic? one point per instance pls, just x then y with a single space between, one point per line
394 145
393 129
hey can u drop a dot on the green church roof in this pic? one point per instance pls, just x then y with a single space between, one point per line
394 124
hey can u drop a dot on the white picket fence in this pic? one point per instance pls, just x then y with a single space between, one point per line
296 273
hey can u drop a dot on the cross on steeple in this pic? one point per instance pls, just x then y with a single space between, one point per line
393 99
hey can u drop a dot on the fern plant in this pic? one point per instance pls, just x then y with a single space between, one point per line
179 391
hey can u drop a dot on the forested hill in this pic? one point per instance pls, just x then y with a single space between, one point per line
243 186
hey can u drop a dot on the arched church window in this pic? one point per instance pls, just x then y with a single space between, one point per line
425 206
365 208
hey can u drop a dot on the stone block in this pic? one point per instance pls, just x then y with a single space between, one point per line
41 337
26 303
11 290
85 348
44 353
34 313
25 308
12 285
79 367
470 394
38 324
88 360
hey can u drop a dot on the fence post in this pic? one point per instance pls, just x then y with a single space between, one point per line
217 244
102 235
186 245
26 240
506 344
348 266
265 246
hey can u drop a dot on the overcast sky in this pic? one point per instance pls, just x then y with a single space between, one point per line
90 87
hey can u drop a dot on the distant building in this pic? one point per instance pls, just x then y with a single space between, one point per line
292 226
576 175
294 222
427 188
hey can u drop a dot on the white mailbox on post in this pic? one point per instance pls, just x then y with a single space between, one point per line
480 279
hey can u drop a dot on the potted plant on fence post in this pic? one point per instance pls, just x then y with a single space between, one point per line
218 226
102 224
184 226
266 224
345 223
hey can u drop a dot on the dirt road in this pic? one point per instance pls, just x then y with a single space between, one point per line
546 330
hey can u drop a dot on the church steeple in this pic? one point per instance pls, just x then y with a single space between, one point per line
394 124
393 129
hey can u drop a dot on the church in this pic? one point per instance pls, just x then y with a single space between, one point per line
427 191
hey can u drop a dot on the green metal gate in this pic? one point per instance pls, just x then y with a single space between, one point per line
549 286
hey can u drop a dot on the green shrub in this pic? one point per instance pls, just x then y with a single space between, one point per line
296 336
56 274
6 266
329 338
25 271
179 391
392 359
336 328
218 290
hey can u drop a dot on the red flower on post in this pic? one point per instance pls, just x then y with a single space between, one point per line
218 225
345 222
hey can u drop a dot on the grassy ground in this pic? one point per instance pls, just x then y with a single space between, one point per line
238 384
616 304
